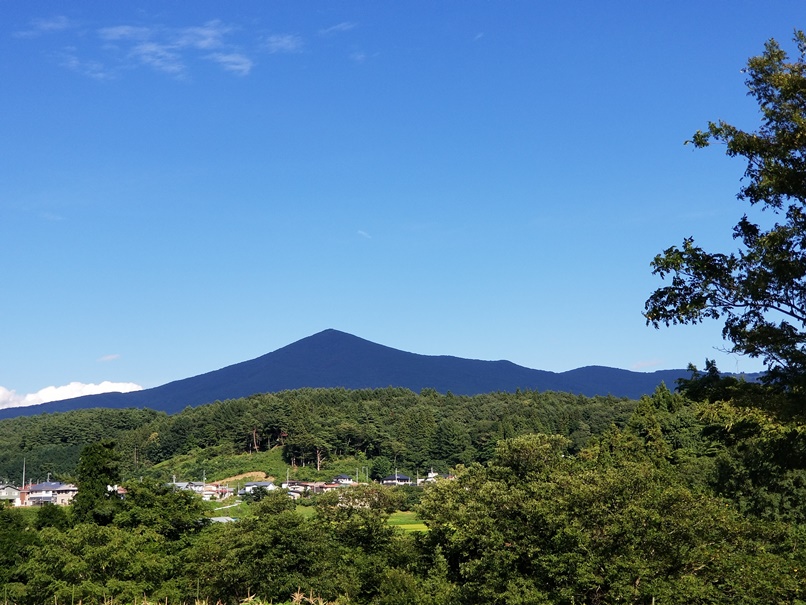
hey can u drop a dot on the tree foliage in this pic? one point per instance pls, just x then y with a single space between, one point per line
760 290
98 475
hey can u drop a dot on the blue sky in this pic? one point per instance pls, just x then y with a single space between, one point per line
189 185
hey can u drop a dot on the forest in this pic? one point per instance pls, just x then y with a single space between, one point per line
378 428
668 498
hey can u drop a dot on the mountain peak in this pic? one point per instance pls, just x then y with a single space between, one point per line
332 358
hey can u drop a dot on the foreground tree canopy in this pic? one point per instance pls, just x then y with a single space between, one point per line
760 290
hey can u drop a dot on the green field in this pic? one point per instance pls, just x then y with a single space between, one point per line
407 521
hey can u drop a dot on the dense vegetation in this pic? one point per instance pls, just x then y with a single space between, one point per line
689 502
316 428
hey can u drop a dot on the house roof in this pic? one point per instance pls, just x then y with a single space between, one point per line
397 477
50 486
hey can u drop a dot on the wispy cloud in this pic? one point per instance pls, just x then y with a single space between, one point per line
358 57
648 363
168 50
205 37
110 357
10 399
364 234
125 32
235 62
344 26
50 216
90 68
159 56
45 26
285 43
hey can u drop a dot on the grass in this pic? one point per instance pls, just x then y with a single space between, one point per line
305 511
403 520
406 521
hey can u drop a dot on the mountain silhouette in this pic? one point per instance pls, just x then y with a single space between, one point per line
336 359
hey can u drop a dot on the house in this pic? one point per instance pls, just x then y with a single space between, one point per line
49 492
396 479
9 493
342 479
433 476
215 491
191 486
253 485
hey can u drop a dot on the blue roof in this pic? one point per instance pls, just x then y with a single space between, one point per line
46 486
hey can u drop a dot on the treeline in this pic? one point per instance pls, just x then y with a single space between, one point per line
689 503
385 428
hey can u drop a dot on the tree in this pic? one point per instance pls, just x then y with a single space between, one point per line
614 524
760 290
97 471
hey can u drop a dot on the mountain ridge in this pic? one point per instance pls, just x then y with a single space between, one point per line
332 359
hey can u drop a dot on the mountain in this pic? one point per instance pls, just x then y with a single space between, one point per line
335 359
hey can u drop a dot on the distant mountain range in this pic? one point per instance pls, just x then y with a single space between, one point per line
335 359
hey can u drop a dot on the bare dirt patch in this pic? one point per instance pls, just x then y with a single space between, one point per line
254 476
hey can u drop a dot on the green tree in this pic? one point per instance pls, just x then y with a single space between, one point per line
613 525
170 513
760 290
97 472
51 515
91 563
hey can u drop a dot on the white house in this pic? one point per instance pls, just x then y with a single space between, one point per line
49 492
9 493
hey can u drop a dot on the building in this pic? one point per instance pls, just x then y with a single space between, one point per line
9 493
48 492
396 479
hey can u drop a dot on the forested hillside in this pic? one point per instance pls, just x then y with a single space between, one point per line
689 502
380 428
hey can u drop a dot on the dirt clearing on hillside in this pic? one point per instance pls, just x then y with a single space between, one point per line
254 476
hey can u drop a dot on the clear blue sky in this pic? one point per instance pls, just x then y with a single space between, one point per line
184 186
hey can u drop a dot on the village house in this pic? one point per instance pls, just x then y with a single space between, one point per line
9 493
191 486
396 479
48 492
251 486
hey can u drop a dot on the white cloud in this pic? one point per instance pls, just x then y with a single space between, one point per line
125 32
339 27
50 216
10 399
159 56
111 357
234 62
93 69
44 26
286 43
649 363
364 234
210 35
358 57
170 50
